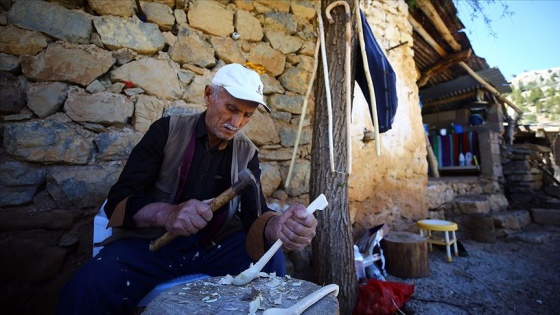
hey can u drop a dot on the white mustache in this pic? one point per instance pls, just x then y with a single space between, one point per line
230 127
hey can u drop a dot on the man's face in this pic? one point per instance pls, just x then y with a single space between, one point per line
225 115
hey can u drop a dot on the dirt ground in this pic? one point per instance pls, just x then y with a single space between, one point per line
518 274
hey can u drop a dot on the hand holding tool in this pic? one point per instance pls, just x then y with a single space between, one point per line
246 177
246 276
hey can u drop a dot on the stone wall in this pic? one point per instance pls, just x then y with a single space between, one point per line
81 81
522 176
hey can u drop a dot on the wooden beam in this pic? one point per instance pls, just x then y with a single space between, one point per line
427 37
431 12
443 64
490 87
460 97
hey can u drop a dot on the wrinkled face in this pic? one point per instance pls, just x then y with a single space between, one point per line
225 115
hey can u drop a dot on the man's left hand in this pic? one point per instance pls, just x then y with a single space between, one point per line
294 227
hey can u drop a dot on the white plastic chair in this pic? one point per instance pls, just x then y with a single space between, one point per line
101 232
368 257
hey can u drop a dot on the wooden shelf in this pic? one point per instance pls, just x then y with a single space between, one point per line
459 168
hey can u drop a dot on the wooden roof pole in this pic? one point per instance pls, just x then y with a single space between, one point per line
431 12
429 39
490 87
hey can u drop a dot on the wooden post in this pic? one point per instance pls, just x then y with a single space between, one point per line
406 255
482 227
432 158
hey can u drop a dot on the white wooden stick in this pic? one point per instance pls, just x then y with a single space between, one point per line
373 106
304 109
327 90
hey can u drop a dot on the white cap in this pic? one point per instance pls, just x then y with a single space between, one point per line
241 83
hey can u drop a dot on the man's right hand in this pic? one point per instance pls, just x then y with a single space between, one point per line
188 217
185 219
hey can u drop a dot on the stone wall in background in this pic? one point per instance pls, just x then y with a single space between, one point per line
81 81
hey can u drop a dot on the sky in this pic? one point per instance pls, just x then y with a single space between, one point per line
528 39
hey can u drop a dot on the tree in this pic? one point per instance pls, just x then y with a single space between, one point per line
332 247
538 107
477 10
535 95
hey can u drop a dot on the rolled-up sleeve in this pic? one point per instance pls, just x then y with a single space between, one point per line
256 243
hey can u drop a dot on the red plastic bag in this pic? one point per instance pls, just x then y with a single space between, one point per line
382 297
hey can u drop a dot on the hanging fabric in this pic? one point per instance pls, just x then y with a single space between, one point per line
383 77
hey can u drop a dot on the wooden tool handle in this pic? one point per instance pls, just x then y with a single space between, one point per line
215 204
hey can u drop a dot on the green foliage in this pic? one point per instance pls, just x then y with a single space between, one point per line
529 119
538 106
538 98
412 4
535 95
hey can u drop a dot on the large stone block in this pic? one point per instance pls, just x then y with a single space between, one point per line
52 19
12 94
512 220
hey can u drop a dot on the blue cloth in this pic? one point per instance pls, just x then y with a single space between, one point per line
383 78
126 270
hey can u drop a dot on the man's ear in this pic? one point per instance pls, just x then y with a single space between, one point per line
207 94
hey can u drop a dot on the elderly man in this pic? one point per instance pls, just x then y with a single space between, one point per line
180 164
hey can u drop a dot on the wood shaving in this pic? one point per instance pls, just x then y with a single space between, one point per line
255 304
208 299
225 280
278 301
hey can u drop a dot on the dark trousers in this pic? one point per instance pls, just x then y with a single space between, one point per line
114 281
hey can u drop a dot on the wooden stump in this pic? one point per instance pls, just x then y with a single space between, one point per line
210 296
406 255
482 227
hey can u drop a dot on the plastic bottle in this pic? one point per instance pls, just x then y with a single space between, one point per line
468 158
462 161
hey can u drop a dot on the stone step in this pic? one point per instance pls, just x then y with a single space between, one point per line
512 220
481 203
546 216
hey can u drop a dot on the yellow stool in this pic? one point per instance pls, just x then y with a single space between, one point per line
430 225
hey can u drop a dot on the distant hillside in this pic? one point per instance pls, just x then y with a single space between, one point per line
537 94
